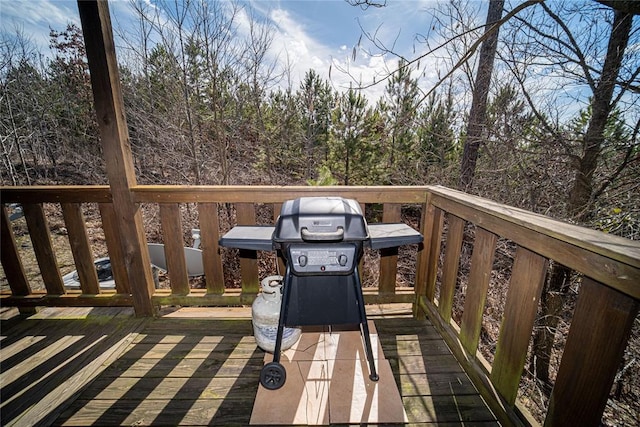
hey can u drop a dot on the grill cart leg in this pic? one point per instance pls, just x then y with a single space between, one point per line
373 376
273 374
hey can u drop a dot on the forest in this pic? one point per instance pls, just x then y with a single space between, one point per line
535 105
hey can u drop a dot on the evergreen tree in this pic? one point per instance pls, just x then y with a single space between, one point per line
436 134
400 108
315 99
76 128
352 154
284 138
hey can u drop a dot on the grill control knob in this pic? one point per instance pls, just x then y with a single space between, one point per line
302 260
342 260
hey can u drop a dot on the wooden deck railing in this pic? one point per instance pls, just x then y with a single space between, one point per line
606 307
168 198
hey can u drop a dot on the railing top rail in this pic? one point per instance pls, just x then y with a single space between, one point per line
56 194
615 247
275 194
210 193
612 260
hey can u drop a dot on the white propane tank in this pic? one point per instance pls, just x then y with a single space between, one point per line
265 313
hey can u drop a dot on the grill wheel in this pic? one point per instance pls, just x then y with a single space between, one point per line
273 376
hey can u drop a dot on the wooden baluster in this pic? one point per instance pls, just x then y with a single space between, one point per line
484 249
212 258
597 338
246 215
432 233
43 249
10 257
450 266
80 248
114 245
277 207
361 270
174 248
391 212
523 297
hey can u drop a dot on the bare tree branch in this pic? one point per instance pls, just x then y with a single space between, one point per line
366 4
478 42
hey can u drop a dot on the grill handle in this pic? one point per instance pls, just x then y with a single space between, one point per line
317 236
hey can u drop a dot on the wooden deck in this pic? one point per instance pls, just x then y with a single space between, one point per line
102 366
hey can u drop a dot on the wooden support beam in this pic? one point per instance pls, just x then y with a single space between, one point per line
432 222
422 261
109 106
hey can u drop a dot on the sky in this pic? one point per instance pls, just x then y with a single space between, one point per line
308 34
319 35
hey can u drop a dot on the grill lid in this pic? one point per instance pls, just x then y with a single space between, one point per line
320 219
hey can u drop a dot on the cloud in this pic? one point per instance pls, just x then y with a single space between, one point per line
36 18
317 35
293 41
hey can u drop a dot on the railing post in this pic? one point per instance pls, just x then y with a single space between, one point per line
107 94
597 338
391 212
428 253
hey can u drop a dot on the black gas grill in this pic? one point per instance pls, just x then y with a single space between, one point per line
322 240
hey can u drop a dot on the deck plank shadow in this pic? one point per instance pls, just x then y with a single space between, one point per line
195 370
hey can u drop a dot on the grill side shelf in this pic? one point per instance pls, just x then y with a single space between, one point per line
392 235
250 237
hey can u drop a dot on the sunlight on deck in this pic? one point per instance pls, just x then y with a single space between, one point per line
106 367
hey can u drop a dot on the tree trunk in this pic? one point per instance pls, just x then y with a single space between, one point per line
581 193
478 113
580 196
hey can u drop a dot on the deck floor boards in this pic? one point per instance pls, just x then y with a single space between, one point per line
102 366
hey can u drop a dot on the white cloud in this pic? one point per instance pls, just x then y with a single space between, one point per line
293 41
36 18
297 41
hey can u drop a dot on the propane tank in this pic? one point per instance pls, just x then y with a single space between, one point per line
265 313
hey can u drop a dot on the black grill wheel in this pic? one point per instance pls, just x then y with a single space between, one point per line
272 376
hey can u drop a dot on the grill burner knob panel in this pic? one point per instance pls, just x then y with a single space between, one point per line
319 259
